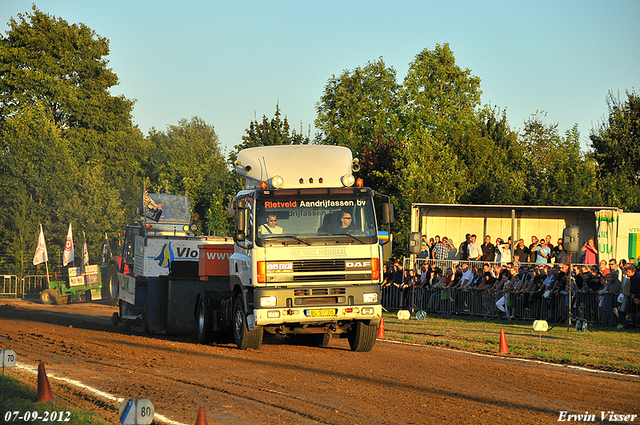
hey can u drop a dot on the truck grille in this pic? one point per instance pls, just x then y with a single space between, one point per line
319 265
305 292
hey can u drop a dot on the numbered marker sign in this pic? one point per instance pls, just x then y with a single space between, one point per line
7 358
136 411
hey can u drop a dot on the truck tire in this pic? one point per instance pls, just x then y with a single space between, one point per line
243 337
362 337
204 323
49 297
111 287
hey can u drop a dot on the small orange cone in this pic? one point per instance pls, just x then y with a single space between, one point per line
381 328
202 418
44 389
503 343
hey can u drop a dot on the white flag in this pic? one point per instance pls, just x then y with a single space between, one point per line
41 250
85 253
67 257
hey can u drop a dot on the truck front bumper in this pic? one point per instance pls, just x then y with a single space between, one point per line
317 306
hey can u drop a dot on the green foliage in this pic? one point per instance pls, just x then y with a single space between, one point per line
615 145
188 159
557 173
70 152
359 106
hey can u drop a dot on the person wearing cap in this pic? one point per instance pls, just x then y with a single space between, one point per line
559 253
424 250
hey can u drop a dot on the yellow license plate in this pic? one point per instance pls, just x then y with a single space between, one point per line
321 312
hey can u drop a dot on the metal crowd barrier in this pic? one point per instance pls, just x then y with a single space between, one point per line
9 286
32 285
593 308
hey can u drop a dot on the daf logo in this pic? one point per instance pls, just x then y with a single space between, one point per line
358 264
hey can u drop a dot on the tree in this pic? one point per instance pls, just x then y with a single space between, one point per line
188 159
557 173
55 104
438 95
614 146
272 132
359 106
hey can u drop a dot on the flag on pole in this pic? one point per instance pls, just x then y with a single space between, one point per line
41 250
106 250
85 253
67 257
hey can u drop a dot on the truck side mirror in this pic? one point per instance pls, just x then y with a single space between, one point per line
387 213
239 221
414 242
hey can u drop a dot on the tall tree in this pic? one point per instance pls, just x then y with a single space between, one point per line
614 146
55 97
358 106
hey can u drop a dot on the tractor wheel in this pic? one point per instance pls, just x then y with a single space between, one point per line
49 296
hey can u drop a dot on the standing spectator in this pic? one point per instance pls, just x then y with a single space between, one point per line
603 268
544 253
521 252
559 253
488 250
424 250
533 250
591 251
547 240
475 250
441 250
613 266
431 244
464 247
504 250
634 280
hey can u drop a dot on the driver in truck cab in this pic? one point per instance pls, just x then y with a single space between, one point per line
270 227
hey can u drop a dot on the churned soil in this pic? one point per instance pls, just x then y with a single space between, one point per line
290 384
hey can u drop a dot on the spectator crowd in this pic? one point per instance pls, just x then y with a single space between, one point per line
531 281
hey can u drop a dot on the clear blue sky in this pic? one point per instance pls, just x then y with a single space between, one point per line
227 62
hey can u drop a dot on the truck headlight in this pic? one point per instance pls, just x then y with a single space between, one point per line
268 301
370 298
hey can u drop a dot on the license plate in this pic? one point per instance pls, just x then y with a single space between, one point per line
321 312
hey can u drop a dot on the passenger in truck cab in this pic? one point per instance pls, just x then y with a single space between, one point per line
270 227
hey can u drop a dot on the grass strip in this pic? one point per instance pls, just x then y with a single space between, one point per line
599 348
17 400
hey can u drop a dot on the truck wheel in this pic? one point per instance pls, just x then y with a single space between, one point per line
241 334
204 323
362 336
49 296
112 288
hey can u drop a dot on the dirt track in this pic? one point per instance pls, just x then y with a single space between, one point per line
281 383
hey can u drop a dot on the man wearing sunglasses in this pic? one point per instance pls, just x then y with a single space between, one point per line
270 227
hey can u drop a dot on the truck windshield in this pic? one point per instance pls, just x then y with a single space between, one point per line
315 216
175 208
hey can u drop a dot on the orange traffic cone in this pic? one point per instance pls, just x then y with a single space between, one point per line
202 418
44 389
503 343
381 328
